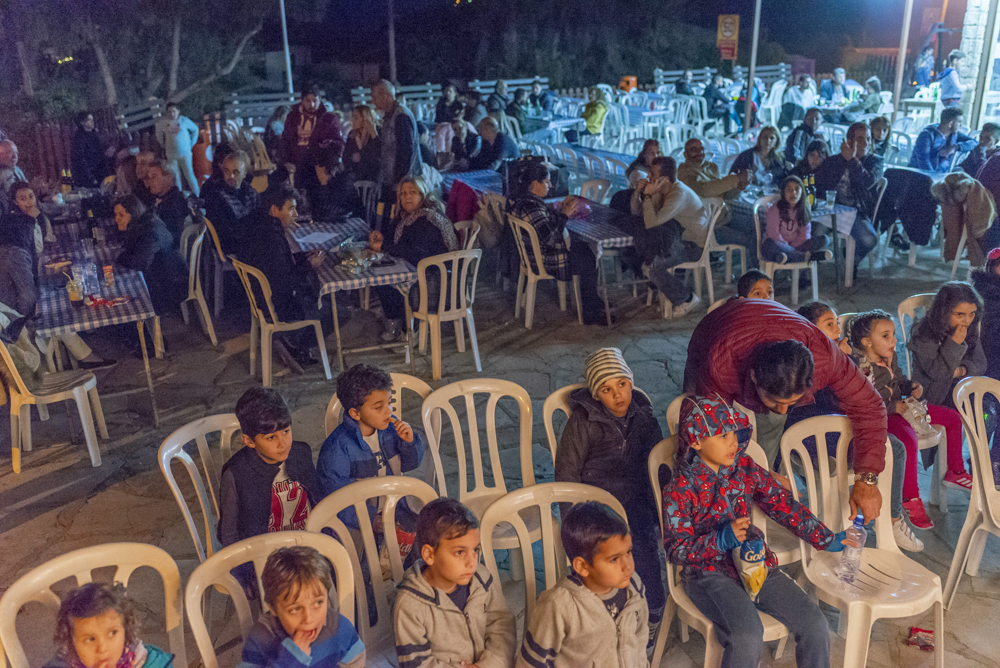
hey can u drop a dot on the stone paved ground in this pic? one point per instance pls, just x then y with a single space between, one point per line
59 503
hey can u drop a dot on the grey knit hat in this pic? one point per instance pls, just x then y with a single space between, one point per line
603 365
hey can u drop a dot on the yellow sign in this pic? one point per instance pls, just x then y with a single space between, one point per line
728 36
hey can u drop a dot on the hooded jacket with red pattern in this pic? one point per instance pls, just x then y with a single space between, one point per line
698 502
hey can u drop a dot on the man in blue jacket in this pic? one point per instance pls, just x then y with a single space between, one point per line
937 145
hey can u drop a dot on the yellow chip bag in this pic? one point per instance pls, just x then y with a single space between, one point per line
750 559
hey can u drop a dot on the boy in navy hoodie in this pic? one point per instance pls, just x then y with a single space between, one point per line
706 514
368 441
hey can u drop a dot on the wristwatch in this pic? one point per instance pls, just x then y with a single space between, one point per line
867 478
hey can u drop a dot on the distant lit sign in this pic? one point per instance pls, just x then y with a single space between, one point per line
728 36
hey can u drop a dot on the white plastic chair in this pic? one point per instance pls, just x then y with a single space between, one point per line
215 573
532 271
674 414
380 638
717 303
702 264
908 308
400 382
221 266
537 501
983 517
172 449
35 585
264 324
192 255
958 255
852 244
468 233
663 454
713 245
458 272
595 189
889 584
759 214
367 192
78 385
557 401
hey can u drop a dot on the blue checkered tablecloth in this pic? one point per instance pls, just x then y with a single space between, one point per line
480 180
581 168
57 315
639 115
342 230
334 277
600 232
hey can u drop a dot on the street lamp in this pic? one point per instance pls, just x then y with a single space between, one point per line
288 54
753 66
897 90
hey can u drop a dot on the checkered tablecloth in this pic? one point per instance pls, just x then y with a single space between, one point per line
846 216
480 180
536 123
600 232
57 315
334 277
342 230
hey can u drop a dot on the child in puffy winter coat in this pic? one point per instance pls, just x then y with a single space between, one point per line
606 443
706 514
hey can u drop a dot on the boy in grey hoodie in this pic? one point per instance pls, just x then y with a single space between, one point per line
597 615
450 612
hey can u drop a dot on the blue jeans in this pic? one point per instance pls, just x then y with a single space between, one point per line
772 249
737 624
673 287
865 239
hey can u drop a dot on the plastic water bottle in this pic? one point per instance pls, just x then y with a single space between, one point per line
854 543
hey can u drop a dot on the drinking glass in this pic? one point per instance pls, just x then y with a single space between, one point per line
831 198
88 248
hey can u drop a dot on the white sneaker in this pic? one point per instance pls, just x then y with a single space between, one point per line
905 539
682 310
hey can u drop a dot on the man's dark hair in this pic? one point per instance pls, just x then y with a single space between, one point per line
261 410
308 89
587 526
813 311
133 206
520 94
862 323
91 600
355 384
667 167
81 117
171 105
783 369
443 519
279 195
955 54
951 113
881 120
289 569
747 280
17 187
990 128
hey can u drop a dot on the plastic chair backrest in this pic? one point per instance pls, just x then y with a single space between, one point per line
366 191
557 401
595 190
760 207
8 362
521 228
35 585
674 415
400 382
192 255
215 239
968 396
246 272
836 518
440 401
843 320
616 172
356 495
457 288
172 449
510 509
216 571
468 232
880 189
908 308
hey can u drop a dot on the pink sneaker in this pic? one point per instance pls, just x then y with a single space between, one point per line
918 516
962 481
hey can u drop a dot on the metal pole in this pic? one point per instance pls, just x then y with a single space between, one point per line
989 39
897 90
753 66
392 44
288 54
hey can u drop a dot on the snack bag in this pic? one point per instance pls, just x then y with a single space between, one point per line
750 560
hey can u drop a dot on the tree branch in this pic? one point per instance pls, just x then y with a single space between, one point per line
90 34
219 71
175 57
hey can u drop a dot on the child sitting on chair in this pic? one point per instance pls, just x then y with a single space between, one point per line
97 627
447 579
706 514
597 614
303 626
755 284
606 443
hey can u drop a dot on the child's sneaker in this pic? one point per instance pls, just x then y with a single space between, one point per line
684 308
918 516
904 536
962 481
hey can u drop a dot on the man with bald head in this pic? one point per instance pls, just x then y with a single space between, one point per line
400 145
10 173
702 176
497 146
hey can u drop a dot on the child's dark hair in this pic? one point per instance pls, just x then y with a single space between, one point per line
783 369
586 526
801 216
813 311
91 600
992 261
937 324
443 519
17 187
289 569
747 281
262 410
862 323
355 384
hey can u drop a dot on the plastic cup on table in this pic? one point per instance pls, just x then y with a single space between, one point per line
831 198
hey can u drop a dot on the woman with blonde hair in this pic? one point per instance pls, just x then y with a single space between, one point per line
419 229
595 111
766 165
364 148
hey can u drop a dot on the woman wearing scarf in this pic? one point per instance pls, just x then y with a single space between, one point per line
419 230
763 159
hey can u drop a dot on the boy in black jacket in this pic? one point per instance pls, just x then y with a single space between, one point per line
606 443
271 484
